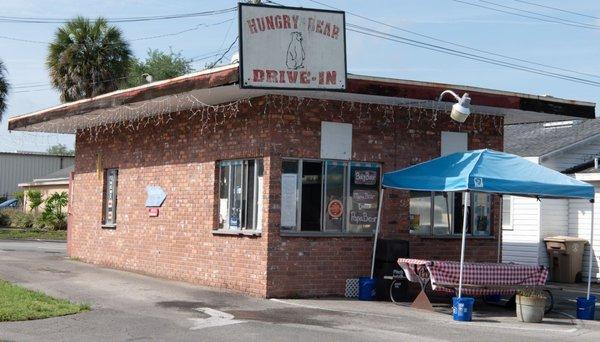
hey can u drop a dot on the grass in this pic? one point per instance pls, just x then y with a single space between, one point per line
30 234
20 304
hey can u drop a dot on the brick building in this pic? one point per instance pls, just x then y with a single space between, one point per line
273 192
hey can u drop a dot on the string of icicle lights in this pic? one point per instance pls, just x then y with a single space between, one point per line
157 112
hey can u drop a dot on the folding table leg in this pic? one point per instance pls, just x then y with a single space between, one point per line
422 302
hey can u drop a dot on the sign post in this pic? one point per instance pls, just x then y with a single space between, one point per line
292 48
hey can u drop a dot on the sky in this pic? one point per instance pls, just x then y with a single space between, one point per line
23 46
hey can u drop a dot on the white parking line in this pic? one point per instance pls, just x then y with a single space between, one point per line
216 319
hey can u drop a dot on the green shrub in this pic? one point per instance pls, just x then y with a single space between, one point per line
17 219
4 219
35 199
19 196
53 217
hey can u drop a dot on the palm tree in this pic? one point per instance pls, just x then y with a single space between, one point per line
3 89
87 58
58 200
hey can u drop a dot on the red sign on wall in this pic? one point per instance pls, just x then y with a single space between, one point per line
153 212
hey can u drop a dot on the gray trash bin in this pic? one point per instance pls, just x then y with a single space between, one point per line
565 254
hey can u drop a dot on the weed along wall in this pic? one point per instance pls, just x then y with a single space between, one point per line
274 198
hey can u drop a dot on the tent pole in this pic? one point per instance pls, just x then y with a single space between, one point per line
377 225
464 237
589 284
499 230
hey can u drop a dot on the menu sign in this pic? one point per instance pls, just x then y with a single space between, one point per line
364 196
363 217
365 177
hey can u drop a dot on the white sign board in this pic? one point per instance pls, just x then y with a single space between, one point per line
336 140
290 47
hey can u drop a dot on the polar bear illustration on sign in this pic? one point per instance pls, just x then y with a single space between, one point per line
295 52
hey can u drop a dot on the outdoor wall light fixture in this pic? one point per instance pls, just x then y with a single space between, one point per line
462 109
147 77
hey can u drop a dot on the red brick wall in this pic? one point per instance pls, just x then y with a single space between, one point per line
393 136
180 152
179 156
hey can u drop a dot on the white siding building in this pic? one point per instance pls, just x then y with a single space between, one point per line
568 147
16 167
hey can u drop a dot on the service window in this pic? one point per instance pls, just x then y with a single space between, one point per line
447 210
329 196
240 194
109 198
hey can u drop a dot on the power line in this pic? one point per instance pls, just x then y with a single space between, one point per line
212 65
41 20
432 47
537 13
194 28
47 86
561 21
557 9
171 34
460 45
23 40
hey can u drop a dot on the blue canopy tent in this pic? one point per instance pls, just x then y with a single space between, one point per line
487 171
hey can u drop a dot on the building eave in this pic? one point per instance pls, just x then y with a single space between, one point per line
219 85
45 182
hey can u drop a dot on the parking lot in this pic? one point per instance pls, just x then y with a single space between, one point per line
128 306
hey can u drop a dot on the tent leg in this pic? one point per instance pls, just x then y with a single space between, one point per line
462 246
377 225
499 232
589 284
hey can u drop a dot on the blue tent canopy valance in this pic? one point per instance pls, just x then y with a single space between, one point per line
488 171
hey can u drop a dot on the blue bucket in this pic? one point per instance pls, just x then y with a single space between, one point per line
366 288
462 308
586 307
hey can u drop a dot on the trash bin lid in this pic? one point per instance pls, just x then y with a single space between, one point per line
564 239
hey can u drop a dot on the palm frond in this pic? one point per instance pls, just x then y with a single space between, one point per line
87 58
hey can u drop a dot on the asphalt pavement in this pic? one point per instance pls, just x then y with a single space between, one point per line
132 307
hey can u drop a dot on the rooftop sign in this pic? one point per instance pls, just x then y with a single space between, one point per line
290 47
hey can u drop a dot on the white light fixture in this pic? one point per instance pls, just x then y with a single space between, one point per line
461 110
147 77
235 58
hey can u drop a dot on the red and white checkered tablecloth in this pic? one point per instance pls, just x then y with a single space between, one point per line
484 274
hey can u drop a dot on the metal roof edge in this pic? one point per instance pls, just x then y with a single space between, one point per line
122 91
45 182
471 88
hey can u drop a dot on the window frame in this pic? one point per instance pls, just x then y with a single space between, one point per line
105 194
347 178
257 196
510 224
452 228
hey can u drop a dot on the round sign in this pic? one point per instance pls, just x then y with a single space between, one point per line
335 208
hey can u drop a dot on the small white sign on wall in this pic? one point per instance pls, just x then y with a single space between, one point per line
291 47
453 142
336 140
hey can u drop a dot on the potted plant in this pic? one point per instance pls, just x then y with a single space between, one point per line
531 304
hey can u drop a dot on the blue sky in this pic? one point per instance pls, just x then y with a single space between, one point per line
558 45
